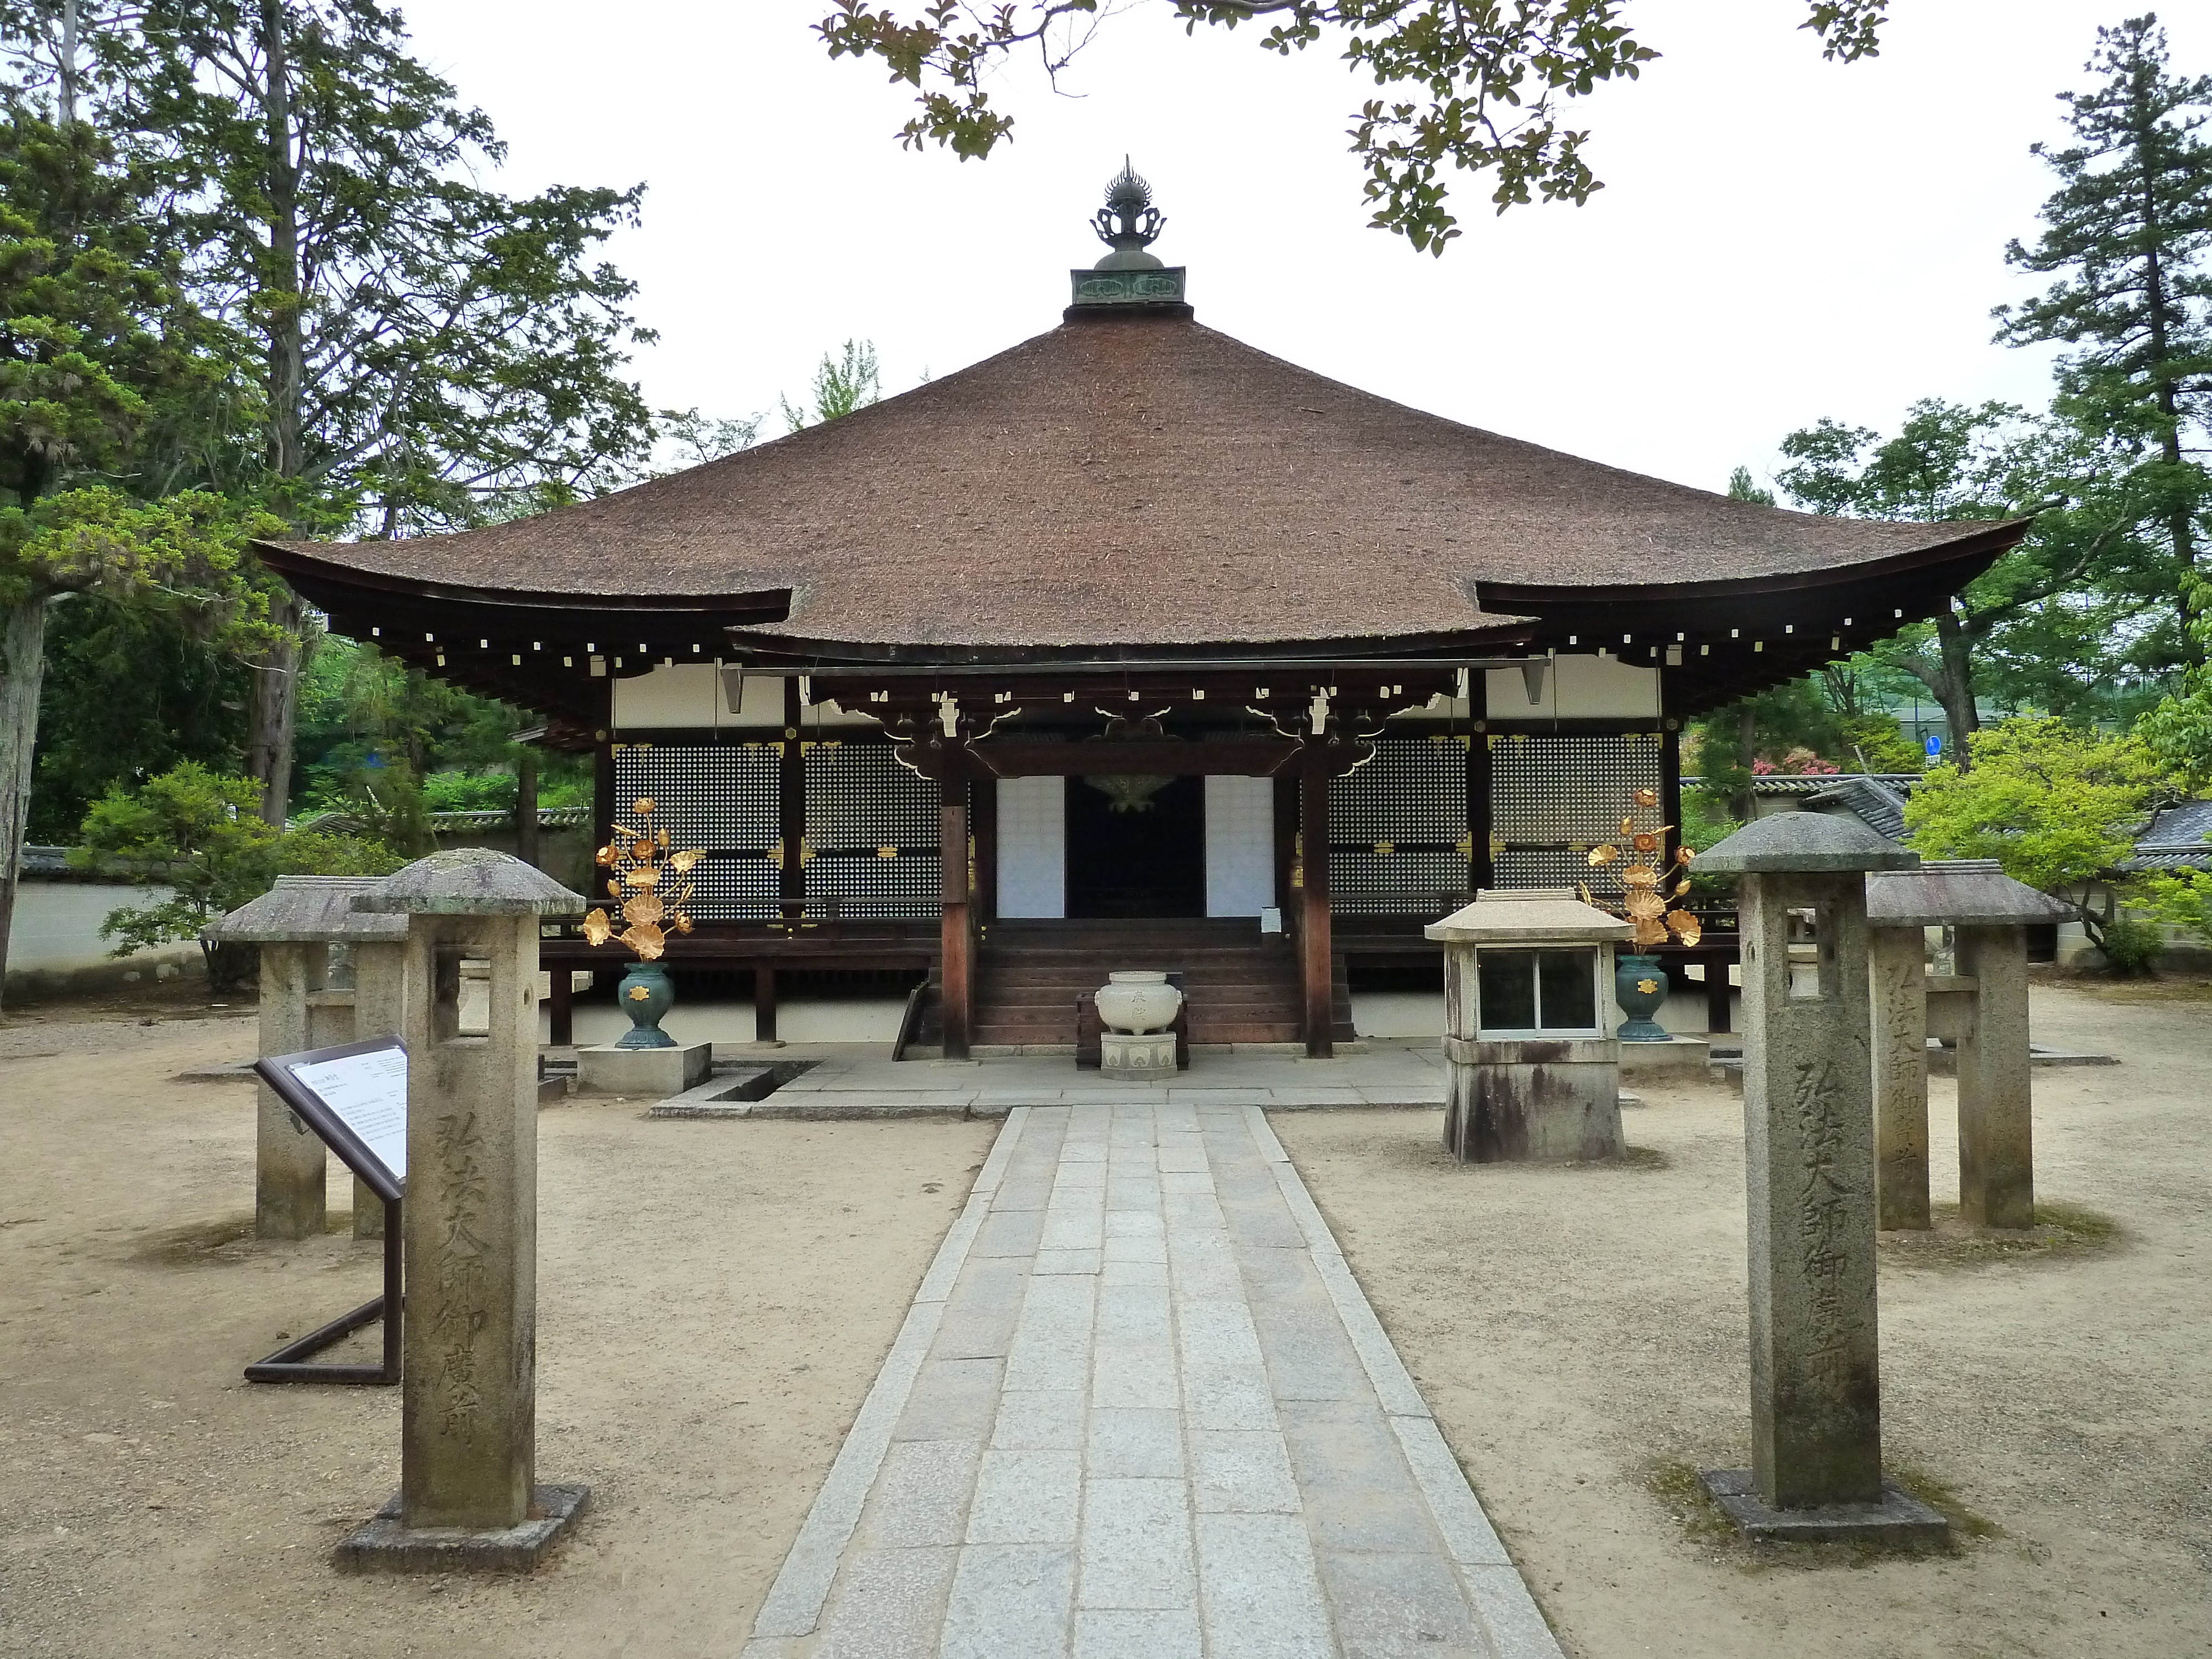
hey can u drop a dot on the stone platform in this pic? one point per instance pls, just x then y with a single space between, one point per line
1899 1518
386 1546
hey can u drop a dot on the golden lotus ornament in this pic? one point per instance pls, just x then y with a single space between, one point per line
1645 874
637 857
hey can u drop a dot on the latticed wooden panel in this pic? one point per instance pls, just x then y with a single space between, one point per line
873 828
1554 794
720 798
1398 831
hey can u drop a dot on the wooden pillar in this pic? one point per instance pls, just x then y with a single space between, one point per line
603 796
957 937
1314 940
984 829
1479 874
764 1003
526 806
791 799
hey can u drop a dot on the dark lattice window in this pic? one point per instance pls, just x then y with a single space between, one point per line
721 797
1398 834
872 827
1554 794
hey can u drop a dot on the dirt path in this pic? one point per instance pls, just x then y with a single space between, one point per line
1573 1328
716 1299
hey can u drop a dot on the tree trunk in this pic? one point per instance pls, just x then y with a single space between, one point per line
22 665
273 708
1953 685
525 807
1746 805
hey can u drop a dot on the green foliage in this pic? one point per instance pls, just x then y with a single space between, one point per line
2057 618
1478 89
2126 233
852 379
2179 732
201 833
2180 898
2132 944
130 691
2056 807
1743 487
468 792
698 439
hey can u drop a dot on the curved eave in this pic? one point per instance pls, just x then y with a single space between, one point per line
311 572
782 650
1948 564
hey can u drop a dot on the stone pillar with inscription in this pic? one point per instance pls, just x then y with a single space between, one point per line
291 1164
1897 963
1809 1165
1990 913
469 1495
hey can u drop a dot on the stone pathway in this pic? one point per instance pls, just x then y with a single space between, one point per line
1140 1408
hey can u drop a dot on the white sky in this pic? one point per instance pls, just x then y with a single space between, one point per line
1780 239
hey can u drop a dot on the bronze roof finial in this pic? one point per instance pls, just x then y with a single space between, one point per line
1128 223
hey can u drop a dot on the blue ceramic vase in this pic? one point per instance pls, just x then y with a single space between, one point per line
1639 986
646 994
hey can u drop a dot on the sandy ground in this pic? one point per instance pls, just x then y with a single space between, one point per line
715 1300
1574 1328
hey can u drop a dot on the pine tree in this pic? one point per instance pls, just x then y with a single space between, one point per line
2127 233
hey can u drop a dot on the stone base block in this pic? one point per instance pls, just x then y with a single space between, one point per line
653 1073
385 1545
1687 1054
1148 1059
1536 1102
1899 1518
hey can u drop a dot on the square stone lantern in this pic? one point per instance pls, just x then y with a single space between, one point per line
1532 1074
1992 912
1810 1174
295 923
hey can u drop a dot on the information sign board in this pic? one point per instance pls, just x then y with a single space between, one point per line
354 1097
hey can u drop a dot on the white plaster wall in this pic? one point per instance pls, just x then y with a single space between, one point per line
1032 846
57 925
1578 688
693 694
1240 846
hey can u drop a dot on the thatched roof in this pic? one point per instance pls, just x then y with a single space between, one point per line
1144 480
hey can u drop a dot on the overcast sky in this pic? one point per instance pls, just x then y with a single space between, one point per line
1780 238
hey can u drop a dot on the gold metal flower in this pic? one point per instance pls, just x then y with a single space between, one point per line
644 808
597 930
645 907
1651 932
605 854
1628 826
1645 797
1643 906
646 875
1603 854
683 922
679 862
614 890
648 940
1687 928
1646 841
1639 875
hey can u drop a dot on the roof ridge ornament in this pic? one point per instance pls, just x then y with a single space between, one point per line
1128 223
1129 277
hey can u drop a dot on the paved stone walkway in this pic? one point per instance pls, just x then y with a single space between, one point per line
1140 1408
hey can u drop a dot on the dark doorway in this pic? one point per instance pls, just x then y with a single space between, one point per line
1150 861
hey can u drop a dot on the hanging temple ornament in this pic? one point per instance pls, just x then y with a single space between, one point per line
642 877
1646 876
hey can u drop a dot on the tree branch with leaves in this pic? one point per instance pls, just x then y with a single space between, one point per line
1474 85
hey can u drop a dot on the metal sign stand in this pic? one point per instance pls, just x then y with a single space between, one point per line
294 1361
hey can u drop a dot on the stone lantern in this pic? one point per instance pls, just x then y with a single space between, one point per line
295 923
1532 1074
1809 1174
1988 1020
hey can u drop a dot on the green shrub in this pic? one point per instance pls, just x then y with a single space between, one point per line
2133 945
